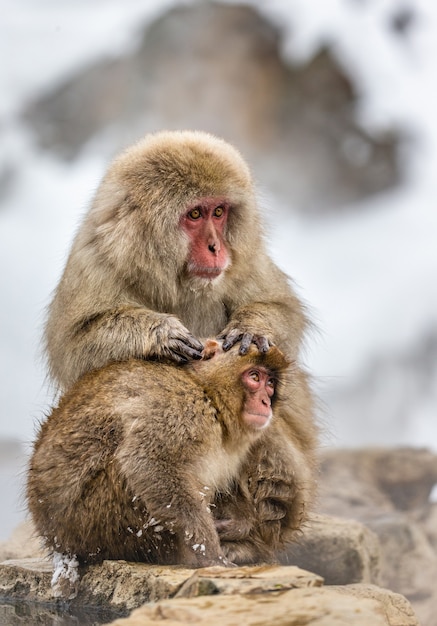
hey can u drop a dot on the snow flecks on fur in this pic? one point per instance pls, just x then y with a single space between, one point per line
199 547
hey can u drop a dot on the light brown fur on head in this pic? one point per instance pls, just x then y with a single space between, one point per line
147 187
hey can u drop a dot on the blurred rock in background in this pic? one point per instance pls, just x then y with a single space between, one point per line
218 67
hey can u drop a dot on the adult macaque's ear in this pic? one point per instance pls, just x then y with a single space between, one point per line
212 347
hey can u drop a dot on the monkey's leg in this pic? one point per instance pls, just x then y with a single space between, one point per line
237 526
239 529
193 523
172 497
269 504
184 513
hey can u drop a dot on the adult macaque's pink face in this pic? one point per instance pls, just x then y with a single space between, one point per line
204 223
260 388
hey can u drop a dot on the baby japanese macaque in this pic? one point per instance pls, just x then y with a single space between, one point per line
129 463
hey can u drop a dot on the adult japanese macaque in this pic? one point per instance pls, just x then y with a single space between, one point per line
130 462
171 251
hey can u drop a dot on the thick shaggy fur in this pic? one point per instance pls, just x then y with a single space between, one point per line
128 464
126 293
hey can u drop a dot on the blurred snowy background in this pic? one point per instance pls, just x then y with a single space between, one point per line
333 103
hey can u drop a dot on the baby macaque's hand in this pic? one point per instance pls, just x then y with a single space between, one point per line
211 348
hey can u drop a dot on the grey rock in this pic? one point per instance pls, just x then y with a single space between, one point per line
388 490
408 559
385 479
341 551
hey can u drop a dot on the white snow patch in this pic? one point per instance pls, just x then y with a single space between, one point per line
65 569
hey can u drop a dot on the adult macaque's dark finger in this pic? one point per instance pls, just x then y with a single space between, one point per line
193 342
184 350
245 343
262 343
231 339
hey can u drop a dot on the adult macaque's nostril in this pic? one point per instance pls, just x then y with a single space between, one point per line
214 245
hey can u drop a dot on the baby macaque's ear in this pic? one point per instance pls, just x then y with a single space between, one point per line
212 347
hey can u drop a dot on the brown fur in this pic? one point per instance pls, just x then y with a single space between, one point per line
128 464
125 293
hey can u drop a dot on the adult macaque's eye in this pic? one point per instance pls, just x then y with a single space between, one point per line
218 211
194 214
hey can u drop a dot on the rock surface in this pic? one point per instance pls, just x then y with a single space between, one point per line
298 607
341 551
259 594
388 490
114 585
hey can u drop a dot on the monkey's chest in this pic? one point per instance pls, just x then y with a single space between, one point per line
218 470
204 317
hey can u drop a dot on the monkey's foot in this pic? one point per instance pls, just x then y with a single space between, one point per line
232 529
